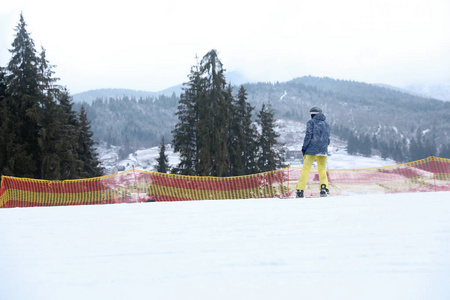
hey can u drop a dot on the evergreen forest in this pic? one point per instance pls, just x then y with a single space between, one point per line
41 135
371 119
215 135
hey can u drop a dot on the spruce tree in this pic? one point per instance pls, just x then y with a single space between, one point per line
243 147
2 86
40 135
86 151
3 153
352 144
270 157
430 147
204 110
416 149
216 111
185 134
366 146
46 114
250 134
214 134
19 131
70 162
384 149
162 165
236 139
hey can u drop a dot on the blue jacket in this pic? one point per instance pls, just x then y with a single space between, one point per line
317 136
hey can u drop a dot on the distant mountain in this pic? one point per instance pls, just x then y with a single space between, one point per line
91 95
359 107
385 117
234 77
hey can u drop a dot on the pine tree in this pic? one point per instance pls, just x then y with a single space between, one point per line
2 86
214 134
243 147
185 134
416 148
204 112
430 147
216 111
384 149
162 165
3 153
86 152
40 135
366 146
69 159
236 138
270 157
19 131
375 142
398 151
352 144
46 114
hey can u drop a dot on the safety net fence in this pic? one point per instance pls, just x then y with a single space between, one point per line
430 174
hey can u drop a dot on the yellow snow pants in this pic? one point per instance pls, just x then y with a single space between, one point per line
307 164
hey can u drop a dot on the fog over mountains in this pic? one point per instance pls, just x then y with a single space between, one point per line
440 92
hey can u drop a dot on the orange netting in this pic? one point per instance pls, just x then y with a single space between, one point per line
430 174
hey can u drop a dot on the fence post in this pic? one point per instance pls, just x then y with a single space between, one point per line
434 173
136 183
288 181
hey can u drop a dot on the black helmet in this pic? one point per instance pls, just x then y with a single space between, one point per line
315 110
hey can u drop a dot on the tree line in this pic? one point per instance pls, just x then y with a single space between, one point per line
41 136
132 123
420 146
215 134
372 119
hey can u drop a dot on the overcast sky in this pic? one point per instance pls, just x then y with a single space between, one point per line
151 45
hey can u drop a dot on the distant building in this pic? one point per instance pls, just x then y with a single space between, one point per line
117 169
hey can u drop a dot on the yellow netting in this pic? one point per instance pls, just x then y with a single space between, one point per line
430 174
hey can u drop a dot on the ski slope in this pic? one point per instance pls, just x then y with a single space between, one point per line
394 246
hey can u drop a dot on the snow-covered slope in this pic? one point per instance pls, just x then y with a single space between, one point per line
390 247
291 135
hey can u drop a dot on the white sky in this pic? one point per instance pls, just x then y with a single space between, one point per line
151 45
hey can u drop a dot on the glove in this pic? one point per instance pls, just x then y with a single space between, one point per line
303 151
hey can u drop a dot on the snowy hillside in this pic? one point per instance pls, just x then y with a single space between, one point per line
364 247
291 135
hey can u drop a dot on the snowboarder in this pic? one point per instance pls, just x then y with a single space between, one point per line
315 147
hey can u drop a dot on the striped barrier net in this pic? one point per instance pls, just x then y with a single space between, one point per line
430 174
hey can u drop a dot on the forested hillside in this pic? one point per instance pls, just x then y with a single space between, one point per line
372 119
132 123
397 125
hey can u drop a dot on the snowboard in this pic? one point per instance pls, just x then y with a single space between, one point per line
293 195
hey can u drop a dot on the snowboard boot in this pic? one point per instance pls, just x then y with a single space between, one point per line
324 191
300 194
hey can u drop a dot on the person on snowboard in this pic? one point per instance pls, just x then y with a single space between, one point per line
315 147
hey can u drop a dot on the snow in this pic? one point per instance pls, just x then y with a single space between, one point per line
394 246
143 159
395 129
291 136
